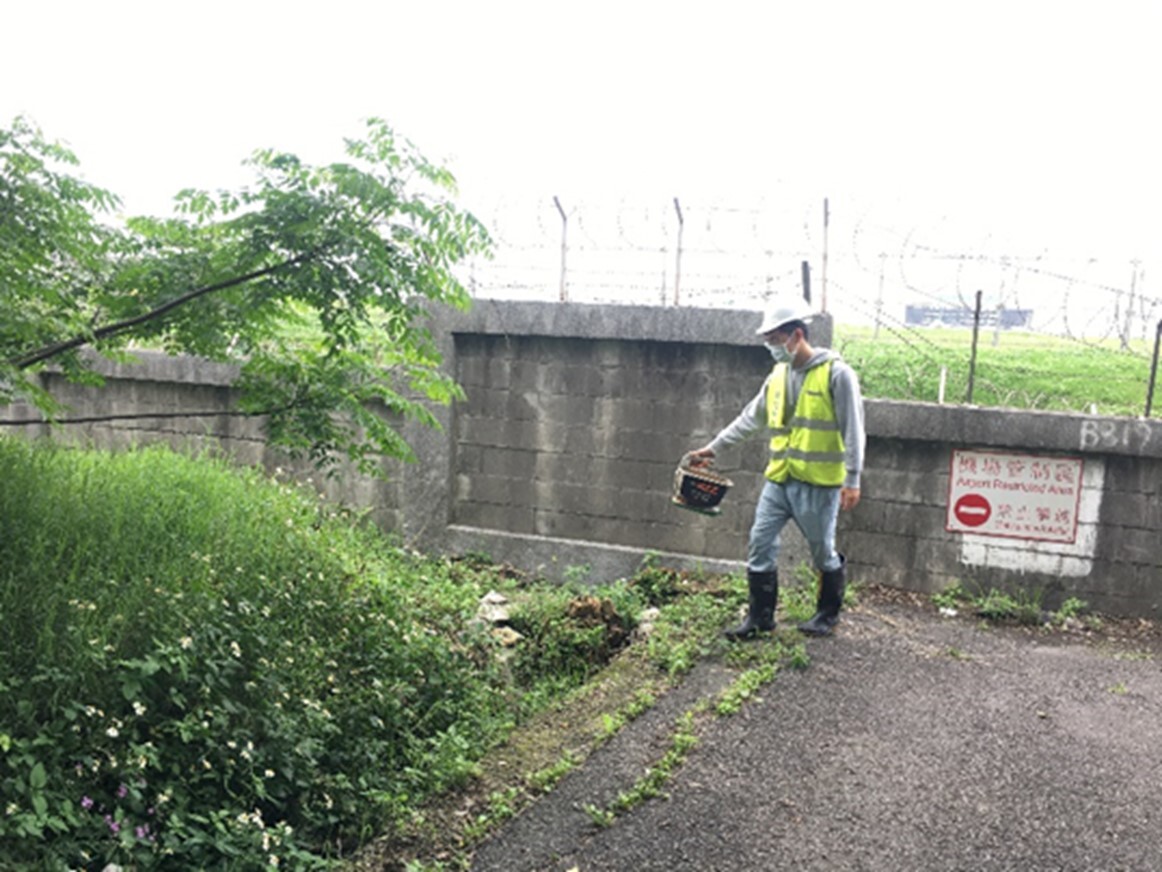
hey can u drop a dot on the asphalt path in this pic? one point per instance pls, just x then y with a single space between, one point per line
912 741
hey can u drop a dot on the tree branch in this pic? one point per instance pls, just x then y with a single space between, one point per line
120 326
138 416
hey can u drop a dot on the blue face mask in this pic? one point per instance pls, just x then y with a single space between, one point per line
778 352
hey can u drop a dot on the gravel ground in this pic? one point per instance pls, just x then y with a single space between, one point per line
911 742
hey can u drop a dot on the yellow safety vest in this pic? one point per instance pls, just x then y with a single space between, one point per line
809 446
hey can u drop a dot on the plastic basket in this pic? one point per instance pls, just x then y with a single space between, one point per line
699 489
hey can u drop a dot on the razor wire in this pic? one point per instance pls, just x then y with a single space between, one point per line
728 255
718 254
715 255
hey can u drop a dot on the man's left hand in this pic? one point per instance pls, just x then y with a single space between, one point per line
848 498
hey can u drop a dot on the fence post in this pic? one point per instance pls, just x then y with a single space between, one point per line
1153 369
678 256
823 278
564 248
880 297
975 338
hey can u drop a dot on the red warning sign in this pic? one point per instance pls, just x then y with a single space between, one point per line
972 510
1021 496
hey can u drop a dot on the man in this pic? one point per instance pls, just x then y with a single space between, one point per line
812 407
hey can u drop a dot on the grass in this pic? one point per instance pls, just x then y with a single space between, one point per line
1017 607
693 611
208 669
682 740
1023 371
205 668
202 666
684 736
1021 607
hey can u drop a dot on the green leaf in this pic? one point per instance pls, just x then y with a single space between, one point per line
313 278
130 687
38 778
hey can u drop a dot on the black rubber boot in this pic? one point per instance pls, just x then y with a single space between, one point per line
760 616
831 587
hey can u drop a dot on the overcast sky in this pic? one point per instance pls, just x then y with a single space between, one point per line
1037 121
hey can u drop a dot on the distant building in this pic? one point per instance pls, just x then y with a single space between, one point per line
961 316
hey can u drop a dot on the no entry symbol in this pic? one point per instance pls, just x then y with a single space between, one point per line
972 510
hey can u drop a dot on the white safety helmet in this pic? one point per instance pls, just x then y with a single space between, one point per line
785 309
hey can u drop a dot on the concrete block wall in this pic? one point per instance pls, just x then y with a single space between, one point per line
576 439
157 395
560 458
897 536
563 452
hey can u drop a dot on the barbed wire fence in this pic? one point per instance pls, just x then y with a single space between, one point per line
900 283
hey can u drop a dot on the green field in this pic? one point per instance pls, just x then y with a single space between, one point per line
1013 370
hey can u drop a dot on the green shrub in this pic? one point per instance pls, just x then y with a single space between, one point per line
691 627
951 597
1072 607
1020 607
207 669
203 668
570 633
658 584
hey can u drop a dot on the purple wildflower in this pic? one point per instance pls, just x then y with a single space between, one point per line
122 792
86 802
114 826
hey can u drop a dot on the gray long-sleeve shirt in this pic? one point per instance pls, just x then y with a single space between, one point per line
845 395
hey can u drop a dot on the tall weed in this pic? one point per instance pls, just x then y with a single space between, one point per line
205 668
208 669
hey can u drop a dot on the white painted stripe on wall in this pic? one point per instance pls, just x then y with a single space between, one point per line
1072 559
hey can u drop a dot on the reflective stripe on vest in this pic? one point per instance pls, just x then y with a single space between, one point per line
808 447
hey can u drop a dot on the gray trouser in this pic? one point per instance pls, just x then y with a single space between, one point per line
814 509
